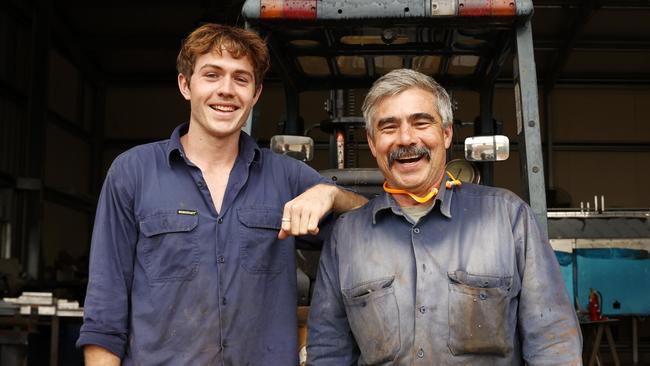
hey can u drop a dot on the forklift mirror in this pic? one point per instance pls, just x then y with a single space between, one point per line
487 148
297 147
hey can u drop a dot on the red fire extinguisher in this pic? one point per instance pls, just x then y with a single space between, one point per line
595 299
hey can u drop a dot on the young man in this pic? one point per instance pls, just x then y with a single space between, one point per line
190 261
432 272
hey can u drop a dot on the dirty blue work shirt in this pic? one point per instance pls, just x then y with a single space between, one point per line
474 282
173 282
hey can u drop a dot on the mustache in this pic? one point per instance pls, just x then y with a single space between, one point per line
405 151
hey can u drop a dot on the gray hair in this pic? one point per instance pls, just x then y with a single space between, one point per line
398 81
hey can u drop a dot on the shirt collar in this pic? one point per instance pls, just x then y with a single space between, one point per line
386 201
248 149
174 146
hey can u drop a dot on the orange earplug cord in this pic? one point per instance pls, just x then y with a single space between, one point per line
423 199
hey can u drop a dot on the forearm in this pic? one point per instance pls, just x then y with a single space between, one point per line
345 200
112 254
98 356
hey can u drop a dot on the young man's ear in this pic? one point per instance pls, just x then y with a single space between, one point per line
258 92
184 86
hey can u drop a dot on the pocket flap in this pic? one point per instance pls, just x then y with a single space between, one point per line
260 217
167 223
482 280
368 289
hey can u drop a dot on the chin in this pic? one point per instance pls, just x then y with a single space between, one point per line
410 183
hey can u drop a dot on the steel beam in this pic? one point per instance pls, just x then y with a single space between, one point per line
605 4
487 76
485 126
594 45
32 163
528 129
398 50
627 147
562 57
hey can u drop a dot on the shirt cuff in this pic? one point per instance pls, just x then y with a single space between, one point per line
112 342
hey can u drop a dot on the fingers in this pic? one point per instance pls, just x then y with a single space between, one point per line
285 227
312 224
300 218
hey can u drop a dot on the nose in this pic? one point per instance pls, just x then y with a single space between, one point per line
407 135
226 87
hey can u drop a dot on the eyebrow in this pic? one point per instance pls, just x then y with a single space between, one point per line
422 115
213 66
385 121
412 117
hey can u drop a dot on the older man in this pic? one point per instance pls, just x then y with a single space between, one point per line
432 272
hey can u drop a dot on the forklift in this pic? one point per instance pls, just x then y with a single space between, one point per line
343 46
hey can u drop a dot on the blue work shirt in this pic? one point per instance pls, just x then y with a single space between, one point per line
173 282
473 282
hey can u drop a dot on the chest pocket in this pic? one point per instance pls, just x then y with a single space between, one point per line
168 247
478 314
374 320
260 251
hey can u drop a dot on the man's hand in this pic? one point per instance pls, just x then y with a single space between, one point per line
302 214
99 356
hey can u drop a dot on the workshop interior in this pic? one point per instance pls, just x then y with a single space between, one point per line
551 100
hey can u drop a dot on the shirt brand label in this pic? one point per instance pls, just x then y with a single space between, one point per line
186 212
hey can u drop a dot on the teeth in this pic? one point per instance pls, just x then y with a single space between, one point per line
409 157
223 108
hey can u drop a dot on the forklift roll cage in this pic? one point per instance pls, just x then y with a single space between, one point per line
463 44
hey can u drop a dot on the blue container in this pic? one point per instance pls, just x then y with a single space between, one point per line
621 276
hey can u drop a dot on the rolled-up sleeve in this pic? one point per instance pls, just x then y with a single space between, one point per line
548 325
330 341
106 308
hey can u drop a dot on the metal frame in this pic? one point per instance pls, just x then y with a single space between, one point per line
434 36
528 127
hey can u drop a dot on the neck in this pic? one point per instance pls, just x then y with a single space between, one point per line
209 151
406 201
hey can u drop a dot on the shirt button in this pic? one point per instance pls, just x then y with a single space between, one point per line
423 309
482 296
220 220
420 353
221 259
223 301
416 230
